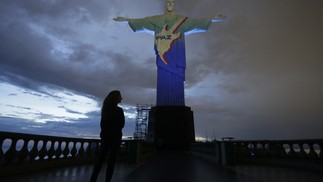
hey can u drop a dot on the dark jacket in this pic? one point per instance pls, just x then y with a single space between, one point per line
112 124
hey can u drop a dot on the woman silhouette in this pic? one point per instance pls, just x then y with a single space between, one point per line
112 122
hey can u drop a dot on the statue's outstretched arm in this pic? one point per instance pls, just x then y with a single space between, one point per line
218 18
122 19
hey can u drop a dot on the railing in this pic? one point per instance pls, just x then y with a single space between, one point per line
26 152
209 151
292 149
29 148
291 153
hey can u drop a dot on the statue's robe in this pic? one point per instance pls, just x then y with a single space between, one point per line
170 31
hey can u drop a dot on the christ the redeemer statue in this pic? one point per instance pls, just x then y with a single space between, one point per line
170 30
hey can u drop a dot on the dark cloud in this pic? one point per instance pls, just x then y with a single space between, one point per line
256 75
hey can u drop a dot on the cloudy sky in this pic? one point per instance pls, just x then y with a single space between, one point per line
257 75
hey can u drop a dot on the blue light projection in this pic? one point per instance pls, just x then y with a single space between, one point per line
169 32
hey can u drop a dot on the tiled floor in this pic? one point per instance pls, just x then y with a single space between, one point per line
177 167
278 174
71 174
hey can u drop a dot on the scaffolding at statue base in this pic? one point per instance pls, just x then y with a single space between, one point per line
141 128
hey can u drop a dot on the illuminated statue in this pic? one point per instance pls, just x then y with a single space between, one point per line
170 30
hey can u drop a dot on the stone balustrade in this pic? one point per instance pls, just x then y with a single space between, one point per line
291 149
290 153
27 152
23 148
208 150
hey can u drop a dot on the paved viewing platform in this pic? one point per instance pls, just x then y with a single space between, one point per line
39 158
173 166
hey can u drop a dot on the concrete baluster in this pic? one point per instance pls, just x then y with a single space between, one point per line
23 153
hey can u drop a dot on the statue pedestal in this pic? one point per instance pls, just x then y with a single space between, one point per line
171 127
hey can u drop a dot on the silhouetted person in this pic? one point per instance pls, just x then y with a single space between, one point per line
112 122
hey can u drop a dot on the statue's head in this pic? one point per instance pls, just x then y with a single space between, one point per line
170 7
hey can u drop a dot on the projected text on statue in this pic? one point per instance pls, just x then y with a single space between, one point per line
169 30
